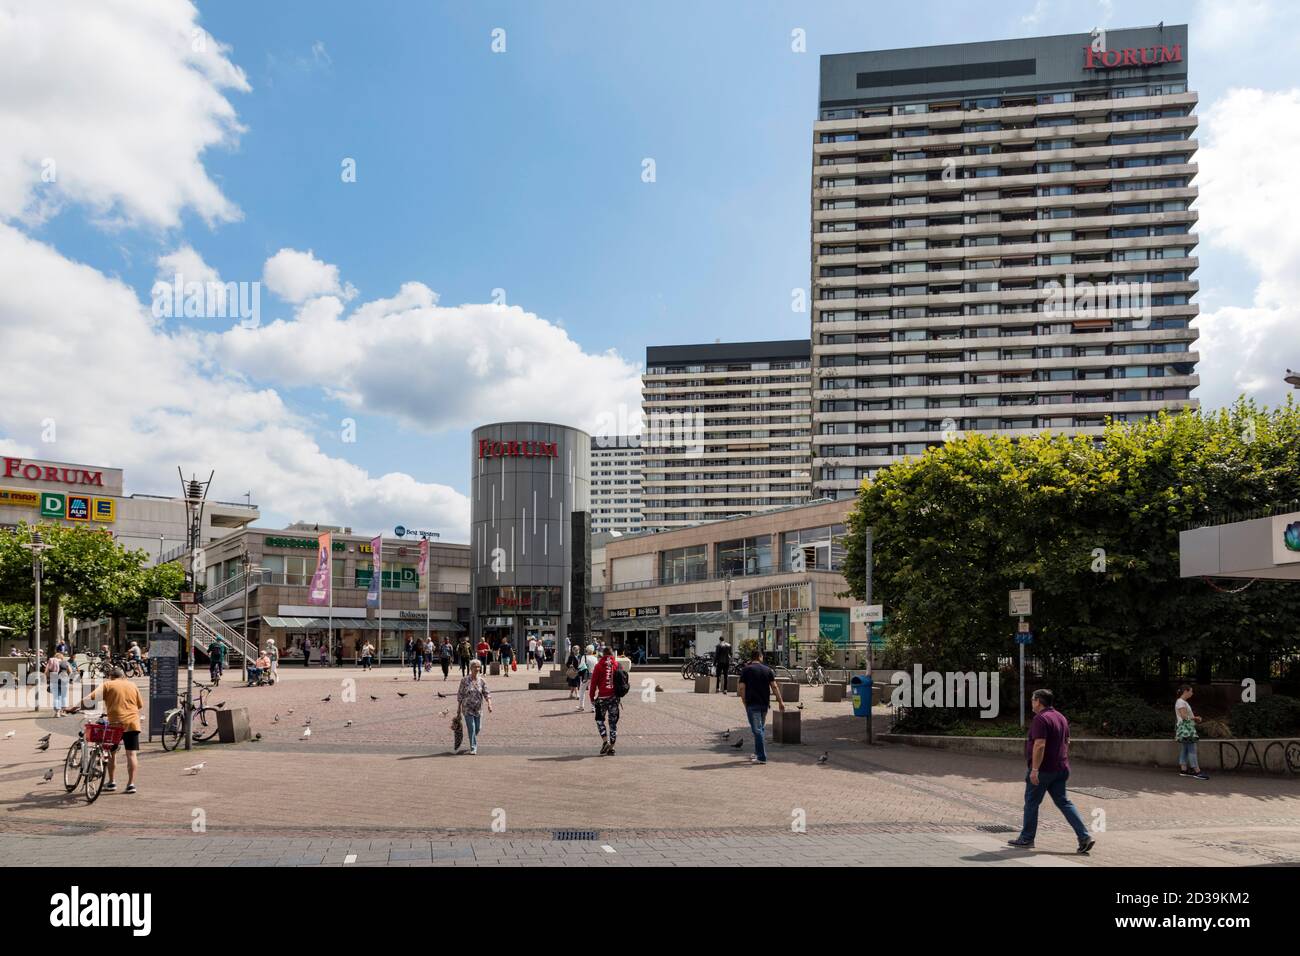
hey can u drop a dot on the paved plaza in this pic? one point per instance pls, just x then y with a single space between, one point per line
386 789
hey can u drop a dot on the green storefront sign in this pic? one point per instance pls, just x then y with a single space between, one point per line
405 579
307 543
833 625
53 506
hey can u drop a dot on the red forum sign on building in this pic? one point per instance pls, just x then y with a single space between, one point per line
1135 56
15 468
518 449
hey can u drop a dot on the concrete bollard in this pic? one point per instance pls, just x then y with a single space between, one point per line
785 726
788 690
232 725
703 683
833 693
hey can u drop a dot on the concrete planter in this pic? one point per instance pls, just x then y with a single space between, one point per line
1214 755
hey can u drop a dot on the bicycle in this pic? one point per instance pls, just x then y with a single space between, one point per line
86 764
814 674
203 720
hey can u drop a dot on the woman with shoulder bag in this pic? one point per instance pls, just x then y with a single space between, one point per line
571 671
1185 733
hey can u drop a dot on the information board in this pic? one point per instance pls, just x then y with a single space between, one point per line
164 678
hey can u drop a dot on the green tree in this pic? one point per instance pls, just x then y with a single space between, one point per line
84 572
1092 528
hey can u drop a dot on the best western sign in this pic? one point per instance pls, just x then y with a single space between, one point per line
518 449
1131 57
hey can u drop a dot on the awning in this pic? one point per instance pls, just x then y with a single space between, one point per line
358 624
647 623
672 620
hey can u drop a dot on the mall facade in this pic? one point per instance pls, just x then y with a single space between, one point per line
530 533
260 578
773 577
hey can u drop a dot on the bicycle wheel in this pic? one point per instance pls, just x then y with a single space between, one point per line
205 723
173 730
96 772
72 767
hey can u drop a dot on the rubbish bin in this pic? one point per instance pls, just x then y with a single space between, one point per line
860 688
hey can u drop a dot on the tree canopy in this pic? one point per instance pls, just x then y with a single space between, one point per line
84 571
1092 527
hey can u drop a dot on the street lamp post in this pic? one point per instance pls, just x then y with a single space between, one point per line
37 547
1292 378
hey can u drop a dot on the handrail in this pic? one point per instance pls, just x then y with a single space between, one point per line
207 624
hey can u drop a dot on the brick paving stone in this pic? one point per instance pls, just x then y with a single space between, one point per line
373 792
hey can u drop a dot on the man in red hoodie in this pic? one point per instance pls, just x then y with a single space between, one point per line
605 698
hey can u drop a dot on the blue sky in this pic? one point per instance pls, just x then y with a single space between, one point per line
522 171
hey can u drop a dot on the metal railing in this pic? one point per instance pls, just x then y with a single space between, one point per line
207 627
709 576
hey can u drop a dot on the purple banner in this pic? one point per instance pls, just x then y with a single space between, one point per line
322 581
376 570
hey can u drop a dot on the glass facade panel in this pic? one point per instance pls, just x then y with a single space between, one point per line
683 564
745 556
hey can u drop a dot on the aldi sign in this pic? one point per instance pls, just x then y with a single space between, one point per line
78 508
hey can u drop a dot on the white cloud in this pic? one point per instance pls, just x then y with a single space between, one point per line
437 367
111 105
123 391
1248 208
298 276
186 263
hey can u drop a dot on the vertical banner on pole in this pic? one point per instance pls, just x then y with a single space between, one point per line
423 573
422 579
321 585
375 596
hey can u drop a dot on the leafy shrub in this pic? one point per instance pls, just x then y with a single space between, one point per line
928 720
747 647
825 652
1271 716
1127 715
1214 729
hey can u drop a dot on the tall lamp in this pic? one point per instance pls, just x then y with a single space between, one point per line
37 547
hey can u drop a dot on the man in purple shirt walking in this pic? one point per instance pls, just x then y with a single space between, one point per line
1047 754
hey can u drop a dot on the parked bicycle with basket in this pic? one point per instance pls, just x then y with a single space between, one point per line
86 764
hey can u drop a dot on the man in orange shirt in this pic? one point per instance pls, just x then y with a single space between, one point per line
123 704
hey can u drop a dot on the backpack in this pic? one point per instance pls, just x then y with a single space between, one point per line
621 682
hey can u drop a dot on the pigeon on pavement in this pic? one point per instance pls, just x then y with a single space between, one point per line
400 694
306 733
275 719
373 697
44 744
49 775
45 739
306 722
738 744
826 755
347 724
196 768
326 698
10 734
441 694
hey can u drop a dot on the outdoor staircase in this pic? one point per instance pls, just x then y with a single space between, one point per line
207 627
